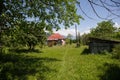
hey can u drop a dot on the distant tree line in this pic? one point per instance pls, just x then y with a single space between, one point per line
103 30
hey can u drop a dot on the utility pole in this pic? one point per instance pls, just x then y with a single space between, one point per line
76 35
79 41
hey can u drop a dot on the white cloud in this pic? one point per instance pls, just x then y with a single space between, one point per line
116 25
65 32
86 31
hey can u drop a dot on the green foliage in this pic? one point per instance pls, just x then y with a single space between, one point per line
69 39
31 41
52 13
117 34
44 15
104 30
31 34
116 51
105 52
85 39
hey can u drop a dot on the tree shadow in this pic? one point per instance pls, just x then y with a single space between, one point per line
15 66
85 51
25 50
112 72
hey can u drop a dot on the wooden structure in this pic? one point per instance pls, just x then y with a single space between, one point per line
97 45
55 39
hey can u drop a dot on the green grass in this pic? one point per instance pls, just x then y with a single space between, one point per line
61 63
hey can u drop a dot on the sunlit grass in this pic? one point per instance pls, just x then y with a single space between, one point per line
68 63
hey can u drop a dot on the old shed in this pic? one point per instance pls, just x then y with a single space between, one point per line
97 45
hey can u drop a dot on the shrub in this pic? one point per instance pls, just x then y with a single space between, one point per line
116 51
105 52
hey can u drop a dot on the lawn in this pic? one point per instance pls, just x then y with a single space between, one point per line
59 63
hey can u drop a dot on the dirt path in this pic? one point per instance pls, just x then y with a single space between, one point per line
69 66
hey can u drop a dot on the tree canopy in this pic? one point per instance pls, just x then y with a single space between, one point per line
44 15
104 29
49 12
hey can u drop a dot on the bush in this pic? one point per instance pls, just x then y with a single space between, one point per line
105 52
116 51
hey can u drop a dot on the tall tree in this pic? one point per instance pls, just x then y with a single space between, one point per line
104 29
48 13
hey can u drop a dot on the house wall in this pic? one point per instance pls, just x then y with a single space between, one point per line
51 43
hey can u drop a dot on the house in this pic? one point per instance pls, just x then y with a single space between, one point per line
97 45
55 39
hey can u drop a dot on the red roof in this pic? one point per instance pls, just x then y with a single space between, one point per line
55 36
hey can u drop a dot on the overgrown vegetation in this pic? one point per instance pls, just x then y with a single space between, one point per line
116 51
58 63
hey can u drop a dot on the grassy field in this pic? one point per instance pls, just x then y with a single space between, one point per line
59 63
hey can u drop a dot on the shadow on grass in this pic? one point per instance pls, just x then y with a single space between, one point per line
112 72
25 50
15 66
85 51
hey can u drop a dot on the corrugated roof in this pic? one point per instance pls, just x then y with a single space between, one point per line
55 36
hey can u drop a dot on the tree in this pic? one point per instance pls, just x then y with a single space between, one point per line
85 39
104 29
117 33
69 39
31 34
48 14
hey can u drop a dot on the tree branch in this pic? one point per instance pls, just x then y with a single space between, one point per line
108 9
115 2
84 12
95 10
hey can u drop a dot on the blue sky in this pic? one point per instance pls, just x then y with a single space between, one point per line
87 23
90 23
